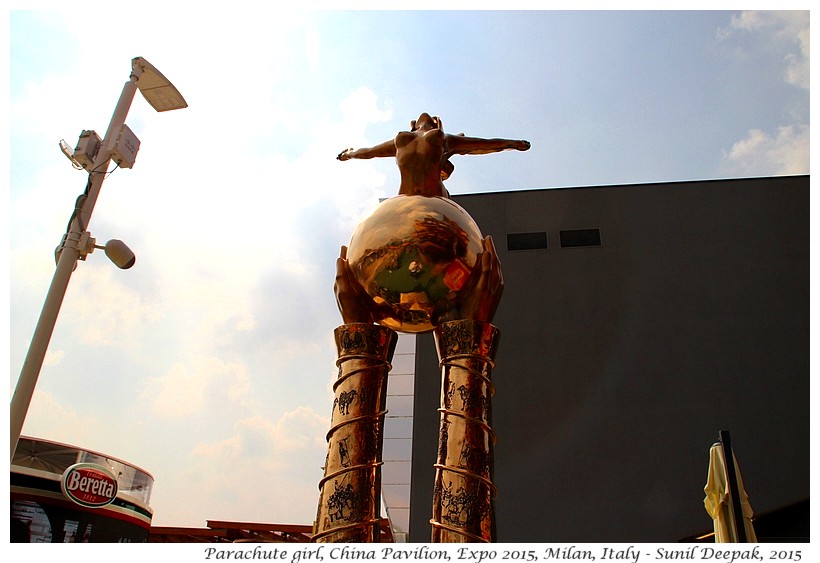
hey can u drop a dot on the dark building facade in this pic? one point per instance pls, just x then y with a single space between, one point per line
637 322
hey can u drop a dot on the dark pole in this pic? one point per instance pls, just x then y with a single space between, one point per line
734 489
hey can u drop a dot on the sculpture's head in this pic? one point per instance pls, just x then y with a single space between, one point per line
425 122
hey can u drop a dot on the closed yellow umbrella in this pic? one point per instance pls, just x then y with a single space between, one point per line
726 496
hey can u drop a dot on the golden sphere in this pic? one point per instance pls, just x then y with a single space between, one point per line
415 253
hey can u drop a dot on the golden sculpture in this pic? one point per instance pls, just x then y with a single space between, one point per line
417 263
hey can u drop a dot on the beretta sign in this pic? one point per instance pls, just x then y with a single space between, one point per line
89 485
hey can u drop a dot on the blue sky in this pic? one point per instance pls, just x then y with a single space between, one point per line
210 362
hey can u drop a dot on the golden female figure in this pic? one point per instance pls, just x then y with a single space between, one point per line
423 154
463 504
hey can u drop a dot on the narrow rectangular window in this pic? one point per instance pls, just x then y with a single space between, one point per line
527 241
580 237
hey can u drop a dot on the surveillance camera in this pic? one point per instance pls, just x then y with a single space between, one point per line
119 254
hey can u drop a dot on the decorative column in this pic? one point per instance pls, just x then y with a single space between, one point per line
464 493
349 500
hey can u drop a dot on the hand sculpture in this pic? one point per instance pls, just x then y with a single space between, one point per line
482 292
355 305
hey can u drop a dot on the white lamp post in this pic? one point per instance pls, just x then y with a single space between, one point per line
121 146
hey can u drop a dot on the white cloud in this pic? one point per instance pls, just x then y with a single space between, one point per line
788 28
762 155
361 107
189 389
258 437
53 357
268 471
106 311
50 419
786 150
312 47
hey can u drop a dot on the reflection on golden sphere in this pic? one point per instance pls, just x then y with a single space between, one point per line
415 253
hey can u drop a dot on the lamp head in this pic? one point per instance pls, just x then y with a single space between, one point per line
119 253
157 90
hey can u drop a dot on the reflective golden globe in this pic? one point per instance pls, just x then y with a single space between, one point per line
414 254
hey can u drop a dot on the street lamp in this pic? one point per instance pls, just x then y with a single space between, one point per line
94 155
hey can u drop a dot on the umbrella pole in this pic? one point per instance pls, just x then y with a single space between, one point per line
734 490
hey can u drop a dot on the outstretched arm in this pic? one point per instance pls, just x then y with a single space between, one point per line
387 148
459 144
